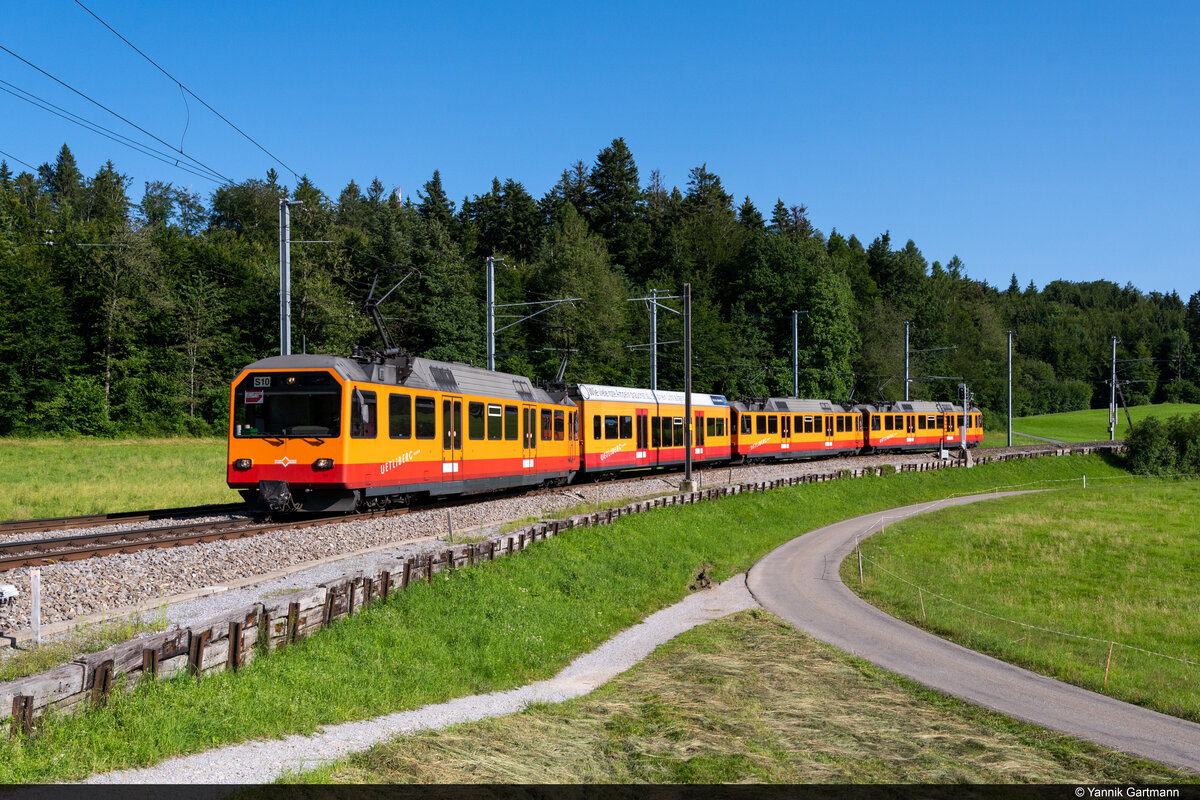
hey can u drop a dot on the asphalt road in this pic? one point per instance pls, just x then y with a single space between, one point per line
799 582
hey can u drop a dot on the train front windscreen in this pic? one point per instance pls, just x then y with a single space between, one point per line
283 404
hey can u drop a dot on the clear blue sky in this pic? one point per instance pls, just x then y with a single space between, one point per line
1053 140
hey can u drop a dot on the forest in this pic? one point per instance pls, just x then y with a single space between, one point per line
122 317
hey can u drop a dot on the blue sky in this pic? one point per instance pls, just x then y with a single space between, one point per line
1050 140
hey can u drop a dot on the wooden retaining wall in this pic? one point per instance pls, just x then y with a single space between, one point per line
234 639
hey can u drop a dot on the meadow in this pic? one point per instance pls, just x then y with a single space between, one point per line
1091 586
67 477
496 626
1080 426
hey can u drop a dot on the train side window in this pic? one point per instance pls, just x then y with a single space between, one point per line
772 424
887 422
627 427
426 418
612 429
400 416
495 423
921 423
511 432
808 425
363 424
711 424
597 425
475 420
721 426
874 422
858 423
841 424
655 433
574 426
745 423
677 426
547 425
560 426
760 423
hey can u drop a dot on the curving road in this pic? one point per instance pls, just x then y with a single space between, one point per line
799 582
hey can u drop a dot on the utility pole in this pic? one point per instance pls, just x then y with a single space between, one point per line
655 296
491 306
285 274
491 313
1010 335
687 485
1112 403
906 325
654 340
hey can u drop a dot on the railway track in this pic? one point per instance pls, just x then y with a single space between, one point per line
96 520
41 552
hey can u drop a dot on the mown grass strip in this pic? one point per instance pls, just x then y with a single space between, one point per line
68 477
1113 563
747 699
497 626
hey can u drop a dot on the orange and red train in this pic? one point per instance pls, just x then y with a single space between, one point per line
325 433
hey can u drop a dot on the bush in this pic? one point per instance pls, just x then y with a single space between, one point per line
1165 448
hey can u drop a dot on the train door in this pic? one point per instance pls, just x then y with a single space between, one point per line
785 432
910 426
528 439
452 456
643 456
829 430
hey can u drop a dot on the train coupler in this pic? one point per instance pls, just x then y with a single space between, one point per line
277 495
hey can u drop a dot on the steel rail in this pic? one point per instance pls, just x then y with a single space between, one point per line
94 520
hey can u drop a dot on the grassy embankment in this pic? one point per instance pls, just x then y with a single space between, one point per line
65 477
1080 426
493 627
1110 563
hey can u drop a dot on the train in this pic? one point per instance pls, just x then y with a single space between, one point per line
324 433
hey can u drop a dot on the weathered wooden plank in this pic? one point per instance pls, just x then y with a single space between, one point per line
307 598
45 687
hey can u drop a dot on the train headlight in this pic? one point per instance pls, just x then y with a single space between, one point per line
323 463
242 464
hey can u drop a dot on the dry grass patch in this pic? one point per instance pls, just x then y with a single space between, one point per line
747 699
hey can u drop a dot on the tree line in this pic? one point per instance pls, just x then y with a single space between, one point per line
123 317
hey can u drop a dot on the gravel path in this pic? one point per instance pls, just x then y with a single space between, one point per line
265 760
151 580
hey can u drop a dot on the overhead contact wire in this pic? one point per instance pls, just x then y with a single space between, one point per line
186 89
114 113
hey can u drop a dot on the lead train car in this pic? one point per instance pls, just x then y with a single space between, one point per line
324 433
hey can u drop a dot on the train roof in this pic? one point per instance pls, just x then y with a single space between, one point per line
423 373
911 407
791 405
630 394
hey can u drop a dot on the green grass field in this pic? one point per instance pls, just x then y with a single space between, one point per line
497 626
1113 563
746 699
65 477
1081 426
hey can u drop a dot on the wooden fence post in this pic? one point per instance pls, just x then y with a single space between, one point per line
235 647
102 683
22 714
